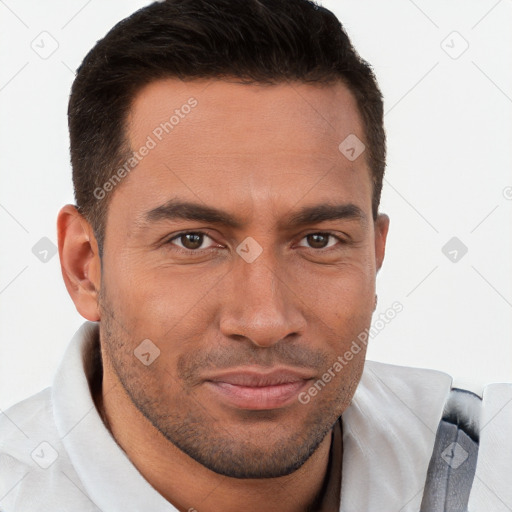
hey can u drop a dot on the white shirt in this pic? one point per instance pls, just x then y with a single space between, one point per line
56 454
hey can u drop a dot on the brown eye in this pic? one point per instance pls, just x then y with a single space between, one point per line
191 241
320 240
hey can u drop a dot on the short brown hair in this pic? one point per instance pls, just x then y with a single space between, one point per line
256 41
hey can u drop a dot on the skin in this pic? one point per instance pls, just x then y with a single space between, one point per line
260 153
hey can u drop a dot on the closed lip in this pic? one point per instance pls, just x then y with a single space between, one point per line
255 378
256 389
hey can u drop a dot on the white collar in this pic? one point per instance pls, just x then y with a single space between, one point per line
110 479
388 437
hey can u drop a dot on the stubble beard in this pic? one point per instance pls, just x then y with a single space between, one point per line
188 424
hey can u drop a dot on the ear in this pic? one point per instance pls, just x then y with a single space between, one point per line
80 261
381 233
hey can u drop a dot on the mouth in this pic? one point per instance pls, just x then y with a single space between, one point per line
253 390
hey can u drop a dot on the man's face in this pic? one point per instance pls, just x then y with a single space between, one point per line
269 300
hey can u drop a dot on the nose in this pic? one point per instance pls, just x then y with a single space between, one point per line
260 304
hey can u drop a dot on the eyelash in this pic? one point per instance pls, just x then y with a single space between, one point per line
199 251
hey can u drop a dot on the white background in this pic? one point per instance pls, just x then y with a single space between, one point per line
449 126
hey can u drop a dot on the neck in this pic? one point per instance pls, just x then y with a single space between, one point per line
193 486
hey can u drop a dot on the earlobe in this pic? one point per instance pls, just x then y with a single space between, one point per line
381 233
80 261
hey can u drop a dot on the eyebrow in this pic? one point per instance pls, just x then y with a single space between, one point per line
184 210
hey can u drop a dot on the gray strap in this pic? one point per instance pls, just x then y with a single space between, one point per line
452 467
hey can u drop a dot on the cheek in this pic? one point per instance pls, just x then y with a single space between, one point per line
171 309
160 295
341 293
340 309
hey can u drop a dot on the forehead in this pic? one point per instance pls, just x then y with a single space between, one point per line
294 114
238 144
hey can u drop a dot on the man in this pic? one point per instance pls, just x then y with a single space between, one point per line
228 159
